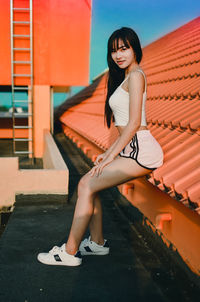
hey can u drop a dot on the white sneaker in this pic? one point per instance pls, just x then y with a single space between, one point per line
58 256
88 247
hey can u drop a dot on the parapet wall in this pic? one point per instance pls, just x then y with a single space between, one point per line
53 179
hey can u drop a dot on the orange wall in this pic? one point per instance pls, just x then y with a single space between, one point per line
61 39
41 117
5 67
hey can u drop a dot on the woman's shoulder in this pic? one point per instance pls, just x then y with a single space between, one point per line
137 70
137 77
137 73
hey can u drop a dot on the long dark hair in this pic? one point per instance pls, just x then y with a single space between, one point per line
116 75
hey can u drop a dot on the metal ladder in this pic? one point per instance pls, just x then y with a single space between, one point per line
26 80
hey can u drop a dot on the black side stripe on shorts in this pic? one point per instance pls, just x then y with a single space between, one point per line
134 153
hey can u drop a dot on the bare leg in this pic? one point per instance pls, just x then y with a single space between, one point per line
86 214
83 212
118 171
96 226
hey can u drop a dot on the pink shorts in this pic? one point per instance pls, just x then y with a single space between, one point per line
144 149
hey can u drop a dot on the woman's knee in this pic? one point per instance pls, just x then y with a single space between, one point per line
84 185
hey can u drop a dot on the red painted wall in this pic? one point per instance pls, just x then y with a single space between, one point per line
5 67
61 39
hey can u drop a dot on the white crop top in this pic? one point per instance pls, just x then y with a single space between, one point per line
119 103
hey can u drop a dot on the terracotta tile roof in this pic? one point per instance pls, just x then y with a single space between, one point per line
172 66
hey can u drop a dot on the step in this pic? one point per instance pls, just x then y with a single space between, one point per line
22 139
22 127
22 101
21 49
21 9
21 75
21 36
21 88
21 22
22 62
23 152
22 114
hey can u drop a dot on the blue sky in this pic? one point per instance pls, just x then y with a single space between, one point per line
151 19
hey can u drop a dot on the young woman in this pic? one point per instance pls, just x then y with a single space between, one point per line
135 152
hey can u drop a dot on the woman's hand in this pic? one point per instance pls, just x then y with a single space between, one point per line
97 169
99 158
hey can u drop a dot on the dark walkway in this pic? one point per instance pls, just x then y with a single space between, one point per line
132 272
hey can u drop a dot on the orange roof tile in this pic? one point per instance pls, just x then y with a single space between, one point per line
172 66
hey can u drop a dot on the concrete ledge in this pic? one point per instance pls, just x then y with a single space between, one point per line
51 180
45 181
9 164
52 158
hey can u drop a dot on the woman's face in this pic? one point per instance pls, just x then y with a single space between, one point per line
124 57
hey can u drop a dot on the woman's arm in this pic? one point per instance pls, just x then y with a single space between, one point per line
111 148
104 155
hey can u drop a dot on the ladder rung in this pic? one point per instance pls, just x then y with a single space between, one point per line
22 114
21 75
23 152
22 101
22 127
22 62
21 36
21 88
21 22
22 49
19 8
22 139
